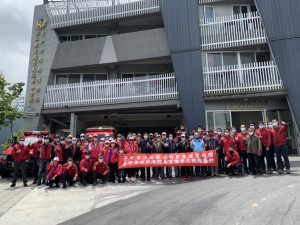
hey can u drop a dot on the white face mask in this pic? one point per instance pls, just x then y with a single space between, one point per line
100 160
46 141
21 142
121 152
70 162
87 157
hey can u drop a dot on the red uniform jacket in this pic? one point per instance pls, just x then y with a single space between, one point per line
84 150
123 145
101 167
46 151
240 142
279 135
234 136
227 142
58 151
95 150
85 164
72 171
264 136
233 158
36 149
57 171
110 155
23 155
132 149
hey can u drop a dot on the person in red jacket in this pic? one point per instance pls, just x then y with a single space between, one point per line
85 149
265 138
21 155
70 173
280 145
271 151
59 150
94 148
45 157
233 162
85 169
100 171
110 156
55 171
243 148
227 141
36 156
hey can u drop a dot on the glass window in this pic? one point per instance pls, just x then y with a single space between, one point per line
263 56
247 57
253 8
210 120
101 77
76 37
127 75
236 10
64 38
230 58
139 75
209 13
90 36
214 59
88 77
74 78
222 120
61 79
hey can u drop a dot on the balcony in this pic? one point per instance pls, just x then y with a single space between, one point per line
162 86
71 13
210 1
232 31
253 77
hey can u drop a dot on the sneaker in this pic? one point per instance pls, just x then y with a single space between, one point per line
13 184
102 181
39 183
288 171
64 186
43 181
123 181
280 171
25 184
132 179
34 181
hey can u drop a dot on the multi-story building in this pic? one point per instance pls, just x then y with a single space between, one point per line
155 64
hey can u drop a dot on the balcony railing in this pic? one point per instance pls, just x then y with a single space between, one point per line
232 31
252 77
76 12
210 1
162 86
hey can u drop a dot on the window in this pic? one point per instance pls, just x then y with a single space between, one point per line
64 38
214 59
209 13
230 58
74 78
238 9
90 36
247 57
88 77
127 75
218 120
263 57
76 37
101 77
61 79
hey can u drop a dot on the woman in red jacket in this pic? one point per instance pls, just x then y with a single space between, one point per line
111 158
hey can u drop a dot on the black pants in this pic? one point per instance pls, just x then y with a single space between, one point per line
56 181
185 171
254 163
20 165
244 157
86 177
143 173
113 169
35 168
67 178
97 175
221 160
271 152
231 169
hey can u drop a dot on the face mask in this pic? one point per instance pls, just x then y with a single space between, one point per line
233 131
56 139
87 157
183 139
158 139
250 133
183 133
146 137
226 134
129 135
47 141
121 152
215 132
219 133
182 128
199 130
252 127
261 127
134 137
21 142
243 129
191 137
122 139
171 138
178 136
86 144
100 160
197 137
78 144
204 136
164 136
73 142
82 138
270 126
275 124
62 142
70 162
40 139
118 139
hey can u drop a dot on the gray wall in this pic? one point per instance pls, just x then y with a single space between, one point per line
281 20
181 19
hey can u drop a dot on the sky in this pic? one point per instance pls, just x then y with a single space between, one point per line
16 17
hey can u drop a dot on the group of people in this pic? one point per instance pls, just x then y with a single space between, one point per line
69 160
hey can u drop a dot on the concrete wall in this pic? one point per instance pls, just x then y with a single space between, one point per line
33 119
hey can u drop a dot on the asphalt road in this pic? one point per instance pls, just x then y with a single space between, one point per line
259 200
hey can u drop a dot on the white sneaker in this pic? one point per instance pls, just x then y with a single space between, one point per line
132 179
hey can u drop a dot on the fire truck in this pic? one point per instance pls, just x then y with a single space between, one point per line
101 131
6 159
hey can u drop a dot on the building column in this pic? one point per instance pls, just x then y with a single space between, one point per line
73 124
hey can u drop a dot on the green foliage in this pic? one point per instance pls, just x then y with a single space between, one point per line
10 140
8 93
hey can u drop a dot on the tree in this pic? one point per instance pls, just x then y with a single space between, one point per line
9 143
8 94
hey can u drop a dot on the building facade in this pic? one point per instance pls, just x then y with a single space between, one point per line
155 64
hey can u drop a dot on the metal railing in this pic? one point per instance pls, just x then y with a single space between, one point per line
252 77
112 91
76 12
232 31
210 1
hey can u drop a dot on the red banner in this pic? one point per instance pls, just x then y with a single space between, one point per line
206 158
